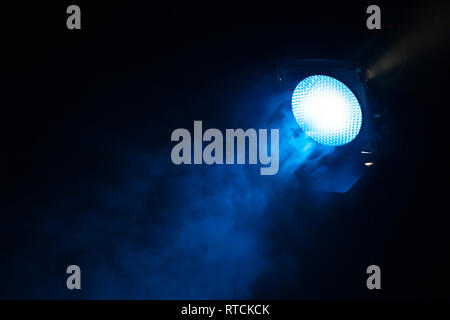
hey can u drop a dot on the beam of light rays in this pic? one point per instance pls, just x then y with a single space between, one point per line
424 34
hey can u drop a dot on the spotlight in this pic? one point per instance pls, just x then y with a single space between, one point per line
326 110
330 105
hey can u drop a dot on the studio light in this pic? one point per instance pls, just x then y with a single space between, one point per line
326 110
329 103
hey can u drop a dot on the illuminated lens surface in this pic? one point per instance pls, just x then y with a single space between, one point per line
326 110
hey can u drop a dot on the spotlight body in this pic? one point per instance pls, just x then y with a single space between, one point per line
330 105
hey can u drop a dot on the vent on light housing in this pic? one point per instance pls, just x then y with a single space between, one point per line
326 110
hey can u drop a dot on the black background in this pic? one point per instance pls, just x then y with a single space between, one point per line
61 135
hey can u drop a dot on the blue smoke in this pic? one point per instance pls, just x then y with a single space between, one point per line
182 232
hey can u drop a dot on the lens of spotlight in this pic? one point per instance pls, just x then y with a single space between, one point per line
326 110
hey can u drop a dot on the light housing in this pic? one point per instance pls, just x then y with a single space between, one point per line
348 142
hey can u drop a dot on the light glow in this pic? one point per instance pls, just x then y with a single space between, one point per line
326 110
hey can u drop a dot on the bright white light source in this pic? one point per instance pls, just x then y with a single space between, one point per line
326 110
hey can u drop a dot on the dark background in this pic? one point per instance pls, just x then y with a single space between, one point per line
87 178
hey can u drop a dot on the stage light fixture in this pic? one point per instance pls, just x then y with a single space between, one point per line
329 102
326 110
